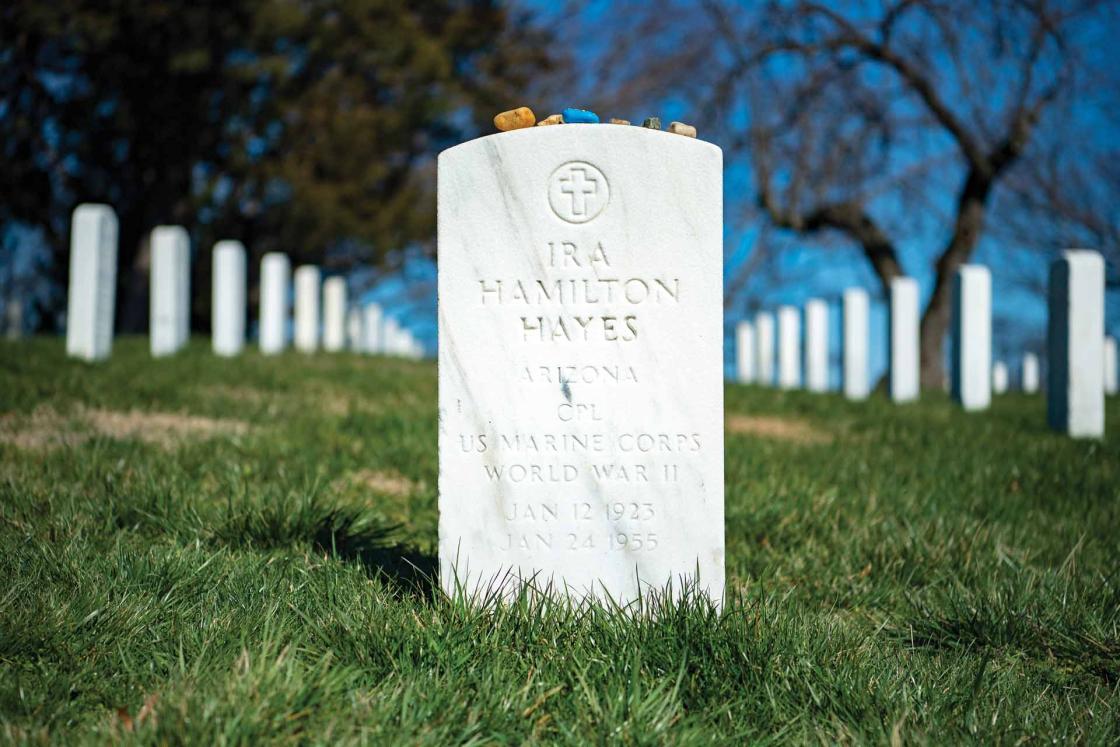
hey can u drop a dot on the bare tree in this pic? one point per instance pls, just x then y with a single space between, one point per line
890 125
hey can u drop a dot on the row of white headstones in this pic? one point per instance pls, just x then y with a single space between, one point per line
322 317
1082 360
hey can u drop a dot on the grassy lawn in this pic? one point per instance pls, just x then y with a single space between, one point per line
218 551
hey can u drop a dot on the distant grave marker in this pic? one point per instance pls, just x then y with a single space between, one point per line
227 303
972 337
275 279
374 329
1030 376
816 345
744 353
334 314
307 288
904 337
1000 378
580 361
789 347
764 341
169 290
856 313
1075 341
93 282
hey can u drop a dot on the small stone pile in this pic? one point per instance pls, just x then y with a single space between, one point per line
522 117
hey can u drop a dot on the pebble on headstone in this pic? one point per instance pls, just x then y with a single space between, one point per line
274 305
515 119
816 345
581 424
971 344
619 121
856 318
744 352
789 347
579 116
334 314
307 289
1029 374
764 347
374 329
169 290
680 128
1111 384
93 282
227 298
652 123
1000 378
551 119
1075 341
904 339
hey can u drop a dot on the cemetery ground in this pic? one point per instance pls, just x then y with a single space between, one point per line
209 550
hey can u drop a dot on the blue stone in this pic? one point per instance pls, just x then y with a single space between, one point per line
580 116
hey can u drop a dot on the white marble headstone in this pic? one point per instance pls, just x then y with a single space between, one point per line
1030 376
1000 378
856 329
904 340
306 326
744 353
816 345
355 331
764 348
227 303
334 314
275 281
1075 341
169 289
581 361
789 347
972 337
1111 382
92 292
374 329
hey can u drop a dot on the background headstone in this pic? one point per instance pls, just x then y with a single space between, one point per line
374 329
904 340
581 361
1000 378
856 318
355 331
1075 342
275 281
307 285
169 289
334 314
972 337
816 345
1030 375
744 353
227 303
93 282
1111 383
764 341
789 347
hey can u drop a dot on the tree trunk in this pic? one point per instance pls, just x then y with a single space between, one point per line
971 206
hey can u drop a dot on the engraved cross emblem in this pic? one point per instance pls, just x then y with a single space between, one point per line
578 192
579 186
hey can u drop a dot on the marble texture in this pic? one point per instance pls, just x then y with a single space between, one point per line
1111 382
581 362
92 291
789 347
764 348
1075 345
971 343
856 318
1000 378
744 353
227 298
1029 374
276 273
169 290
904 340
308 284
816 345
334 314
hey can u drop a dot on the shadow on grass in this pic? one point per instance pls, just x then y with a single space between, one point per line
342 532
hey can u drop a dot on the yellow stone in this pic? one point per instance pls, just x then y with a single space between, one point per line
515 119
551 119
620 121
680 128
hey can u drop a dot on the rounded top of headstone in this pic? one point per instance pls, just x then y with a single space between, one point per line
229 245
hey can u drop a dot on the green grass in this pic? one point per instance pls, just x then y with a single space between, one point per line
926 576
